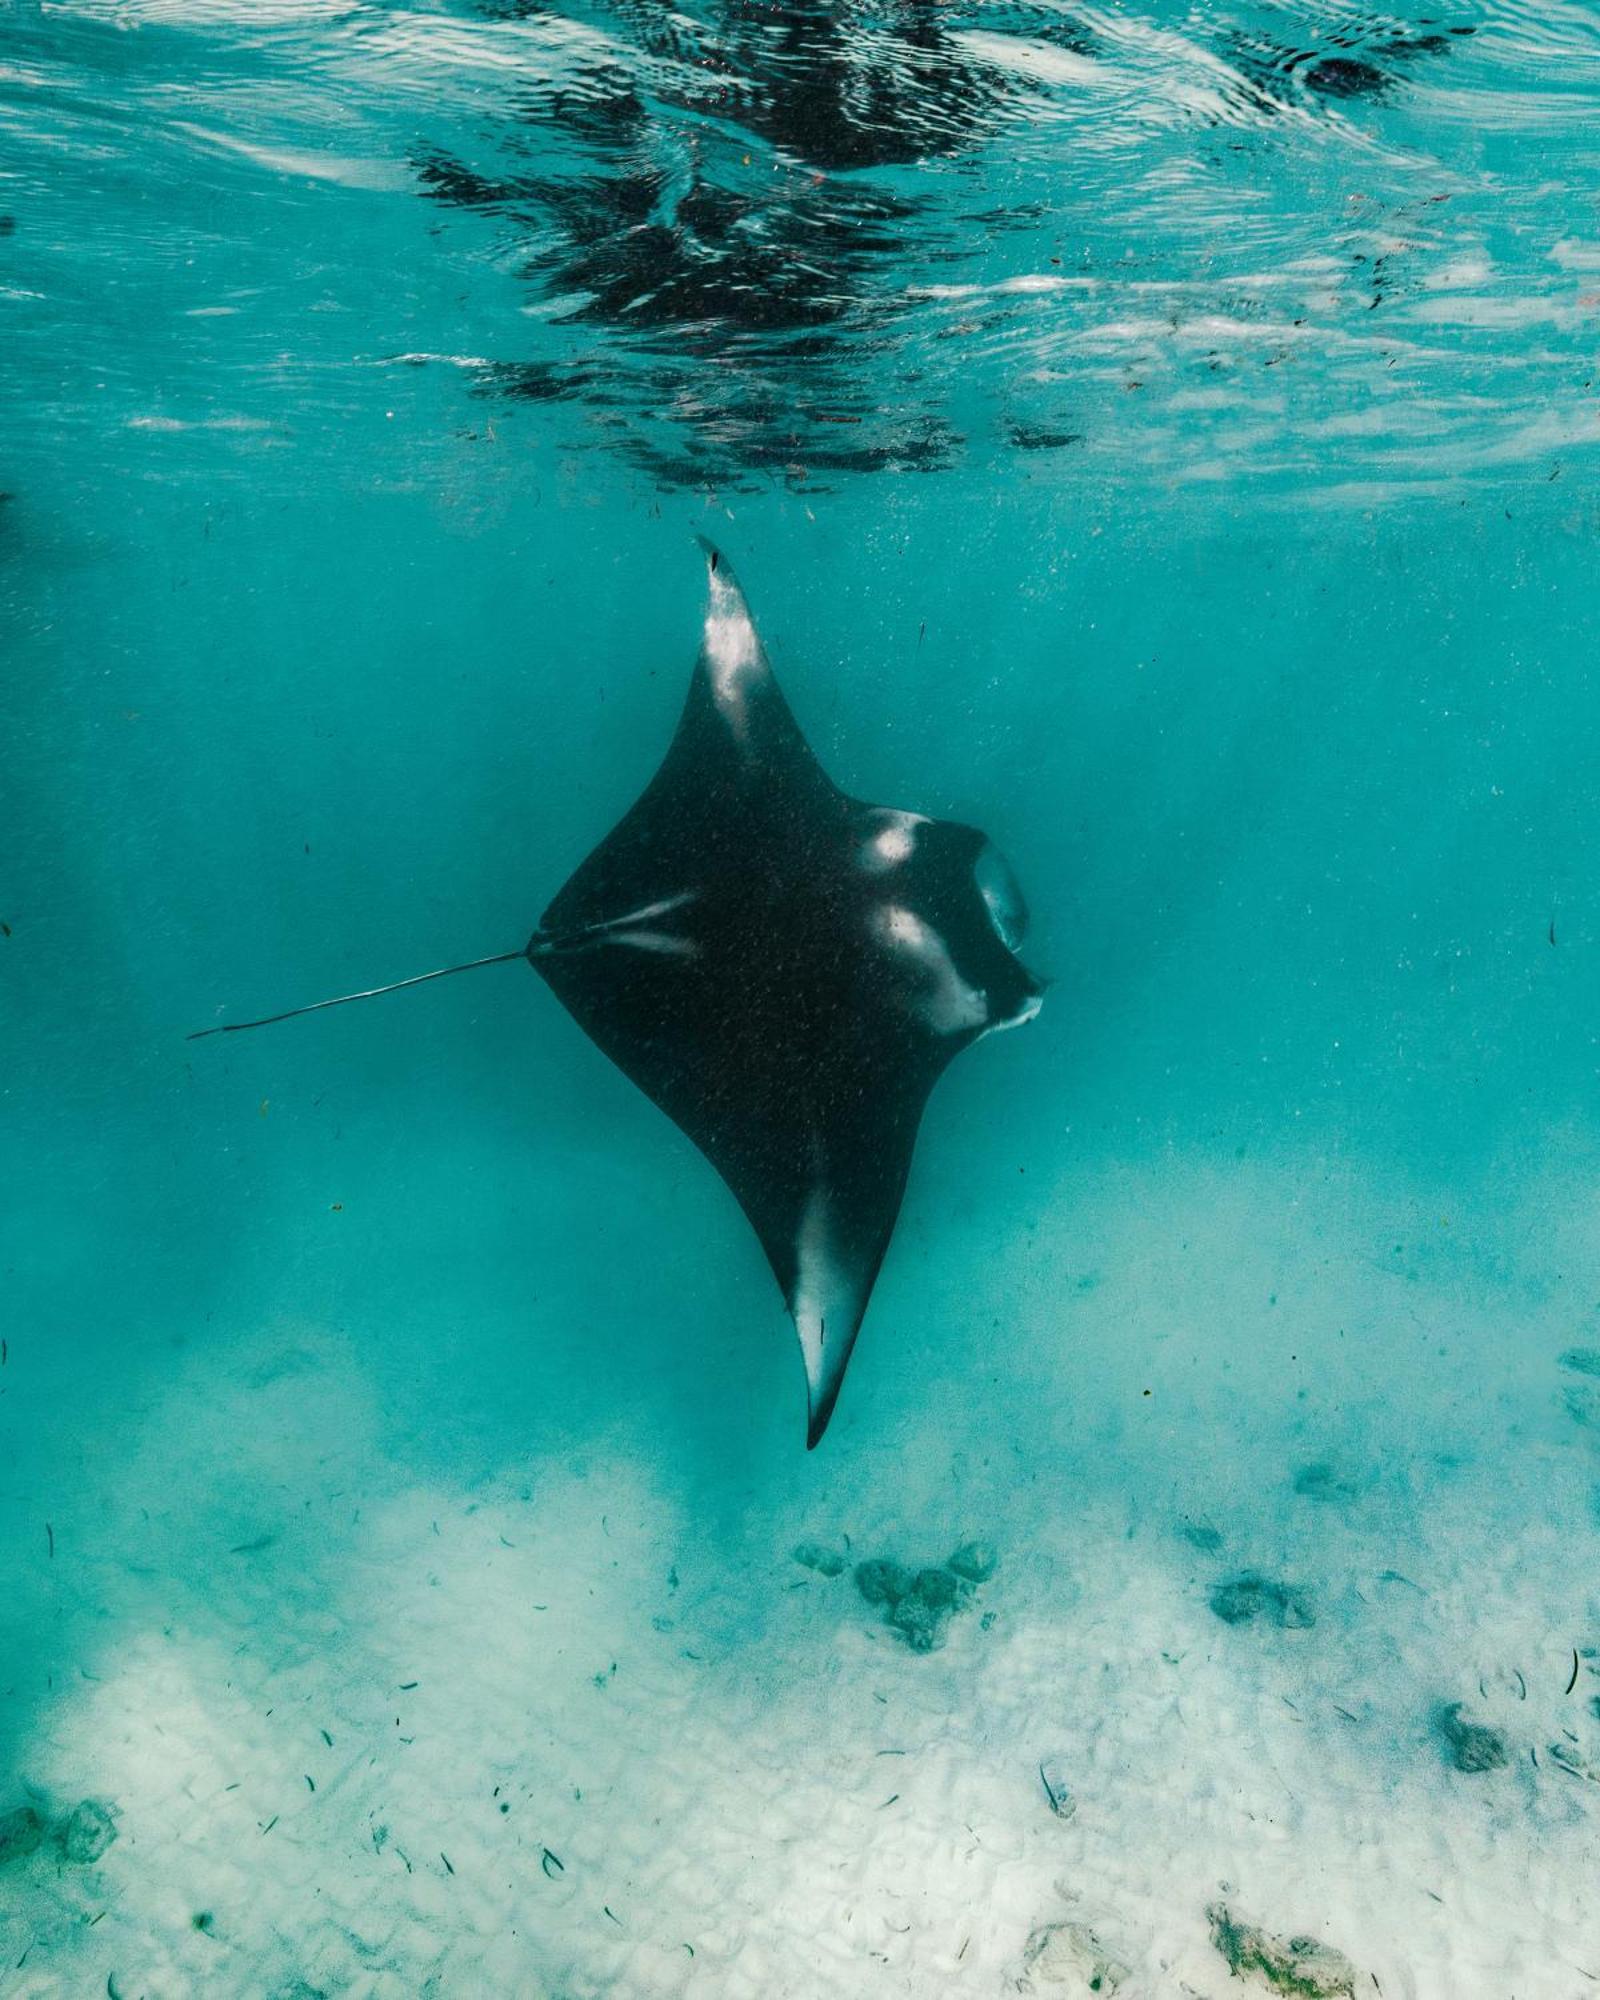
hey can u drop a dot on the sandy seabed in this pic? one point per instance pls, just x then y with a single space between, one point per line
569 1724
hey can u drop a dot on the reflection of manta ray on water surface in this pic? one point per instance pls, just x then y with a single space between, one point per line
786 971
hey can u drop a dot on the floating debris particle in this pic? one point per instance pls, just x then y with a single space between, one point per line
552 1864
1574 1765
1053 1776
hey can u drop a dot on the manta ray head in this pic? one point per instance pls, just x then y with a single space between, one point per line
954 918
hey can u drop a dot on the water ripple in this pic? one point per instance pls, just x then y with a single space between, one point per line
1274 244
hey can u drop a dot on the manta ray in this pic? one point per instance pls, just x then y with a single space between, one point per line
785 970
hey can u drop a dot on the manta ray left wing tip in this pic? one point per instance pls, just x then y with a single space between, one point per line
821 1398
827 1306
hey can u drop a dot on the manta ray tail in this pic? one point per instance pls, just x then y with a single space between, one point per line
623 930
344 999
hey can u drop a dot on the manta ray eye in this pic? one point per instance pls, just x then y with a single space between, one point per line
998 887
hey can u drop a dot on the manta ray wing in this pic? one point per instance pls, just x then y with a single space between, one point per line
737 764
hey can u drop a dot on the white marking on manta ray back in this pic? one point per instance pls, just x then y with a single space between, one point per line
893 842
950 1005
662 941
659 909
733 652
622 930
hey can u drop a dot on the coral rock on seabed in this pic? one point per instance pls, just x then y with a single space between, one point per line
920 1606
921 1615
1068 1961
87 1831
1299 1967
882 1582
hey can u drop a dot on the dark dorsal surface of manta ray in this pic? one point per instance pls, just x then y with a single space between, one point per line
786 971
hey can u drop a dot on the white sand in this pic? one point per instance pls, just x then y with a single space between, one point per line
749 1788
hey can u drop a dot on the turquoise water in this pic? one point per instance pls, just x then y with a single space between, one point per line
1164 438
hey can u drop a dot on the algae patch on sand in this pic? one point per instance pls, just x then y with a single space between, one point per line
1472 1746
1299 1967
